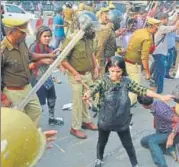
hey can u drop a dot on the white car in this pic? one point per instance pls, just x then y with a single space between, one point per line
17 12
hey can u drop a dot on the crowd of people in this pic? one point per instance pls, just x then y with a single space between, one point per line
104 70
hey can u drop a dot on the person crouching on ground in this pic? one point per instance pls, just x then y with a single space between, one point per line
166 123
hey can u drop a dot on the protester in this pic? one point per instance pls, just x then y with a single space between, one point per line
158 68
166 123
47 90
58 22
114 109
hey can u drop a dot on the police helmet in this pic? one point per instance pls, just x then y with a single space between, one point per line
22 144
68 4
87 20
115 16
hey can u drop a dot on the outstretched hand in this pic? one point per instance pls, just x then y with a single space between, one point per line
50 137
166 98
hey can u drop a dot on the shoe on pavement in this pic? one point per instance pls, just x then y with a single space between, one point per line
56 80
169 77
99 163
56 121
89 126
78 133
136 166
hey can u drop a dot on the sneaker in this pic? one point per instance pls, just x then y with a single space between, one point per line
169 77
56 80
99 163
56 121
136 166
78 133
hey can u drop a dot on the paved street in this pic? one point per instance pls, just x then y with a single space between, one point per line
69 151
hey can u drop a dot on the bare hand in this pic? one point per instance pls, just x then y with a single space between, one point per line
50 137
62 69
87 95
170 141
6 103
166 98
77 77
53 53
47 61
147 76
96 72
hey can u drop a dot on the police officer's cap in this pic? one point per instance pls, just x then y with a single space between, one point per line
20 24
104 9
111 6
153 21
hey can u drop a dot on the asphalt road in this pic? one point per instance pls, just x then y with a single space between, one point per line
69 151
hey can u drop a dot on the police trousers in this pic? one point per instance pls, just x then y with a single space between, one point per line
33 107
134 72
80 110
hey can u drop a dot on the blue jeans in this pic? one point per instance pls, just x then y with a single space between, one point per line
174 56
158 70
170 60
156 144
57 41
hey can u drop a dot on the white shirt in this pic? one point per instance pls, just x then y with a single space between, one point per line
162 48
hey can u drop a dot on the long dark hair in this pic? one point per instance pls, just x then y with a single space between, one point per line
116 61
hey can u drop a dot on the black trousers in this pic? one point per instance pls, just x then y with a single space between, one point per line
126 141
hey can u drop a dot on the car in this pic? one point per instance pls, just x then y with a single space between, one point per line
17 12
28 6
47 8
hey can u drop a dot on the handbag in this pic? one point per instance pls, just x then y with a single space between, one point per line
153 47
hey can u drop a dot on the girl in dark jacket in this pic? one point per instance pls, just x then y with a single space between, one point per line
114 106
47 90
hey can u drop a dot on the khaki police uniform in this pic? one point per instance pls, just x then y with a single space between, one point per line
138 50
80 58
89 8
68 14
15 73
106 42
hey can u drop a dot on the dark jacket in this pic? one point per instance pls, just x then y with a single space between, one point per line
114 112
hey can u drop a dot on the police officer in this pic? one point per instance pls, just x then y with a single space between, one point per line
106 37
68 14
22 144
89 6
138 52
15 73
80 64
